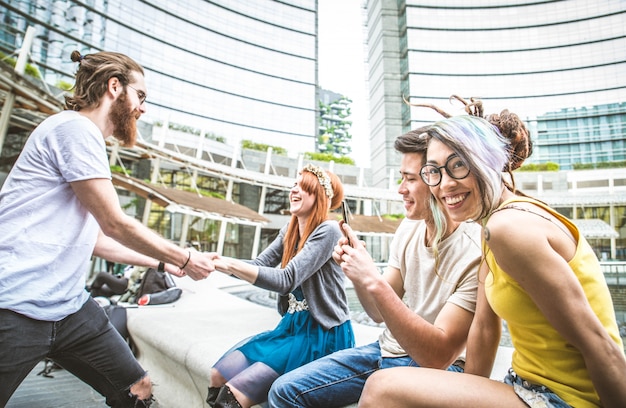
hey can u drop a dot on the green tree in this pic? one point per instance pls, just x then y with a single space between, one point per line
249 144
28 70
334 128
326 157
548 166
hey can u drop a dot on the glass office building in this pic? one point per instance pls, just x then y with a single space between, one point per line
238 70
532 57
585 137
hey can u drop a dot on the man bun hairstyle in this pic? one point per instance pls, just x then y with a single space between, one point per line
93 74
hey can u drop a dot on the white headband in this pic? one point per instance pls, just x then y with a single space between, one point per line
323 178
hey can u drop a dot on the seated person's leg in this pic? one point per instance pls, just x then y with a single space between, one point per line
252 384
335 380
227 367
429 387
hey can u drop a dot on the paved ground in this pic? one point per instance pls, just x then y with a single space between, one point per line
39 391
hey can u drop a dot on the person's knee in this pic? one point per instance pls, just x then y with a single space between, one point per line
142 389
281 392
275 397
139 395
275 390
374 390
216 379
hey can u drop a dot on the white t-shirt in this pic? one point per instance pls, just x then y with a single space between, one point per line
46 235
428 288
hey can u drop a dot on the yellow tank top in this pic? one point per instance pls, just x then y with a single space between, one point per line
541 355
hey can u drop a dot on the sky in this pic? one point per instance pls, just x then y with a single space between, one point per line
342 68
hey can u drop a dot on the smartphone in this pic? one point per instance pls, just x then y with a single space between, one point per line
345 212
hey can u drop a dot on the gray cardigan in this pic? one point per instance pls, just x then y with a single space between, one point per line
313 269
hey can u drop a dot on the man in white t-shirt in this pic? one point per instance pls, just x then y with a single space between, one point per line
426 297
58 207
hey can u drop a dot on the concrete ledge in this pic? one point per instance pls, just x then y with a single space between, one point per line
179 343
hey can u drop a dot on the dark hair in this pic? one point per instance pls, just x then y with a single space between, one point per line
93 74
413 141
514 130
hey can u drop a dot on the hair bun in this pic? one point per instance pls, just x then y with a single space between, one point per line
76 57
513 128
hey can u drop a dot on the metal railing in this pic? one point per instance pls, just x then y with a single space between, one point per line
614 272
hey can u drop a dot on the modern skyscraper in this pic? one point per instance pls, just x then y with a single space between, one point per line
532 57
241 70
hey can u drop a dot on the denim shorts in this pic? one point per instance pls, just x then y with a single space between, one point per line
535 396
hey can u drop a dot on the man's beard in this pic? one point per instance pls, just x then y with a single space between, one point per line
125 121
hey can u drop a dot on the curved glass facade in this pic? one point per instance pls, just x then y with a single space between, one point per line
238 70
532 57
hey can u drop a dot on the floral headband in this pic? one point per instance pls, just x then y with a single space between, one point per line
322 177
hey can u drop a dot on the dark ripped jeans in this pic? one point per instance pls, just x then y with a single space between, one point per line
84 343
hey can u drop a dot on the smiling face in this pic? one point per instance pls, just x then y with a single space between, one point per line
300 202
415 193
459 197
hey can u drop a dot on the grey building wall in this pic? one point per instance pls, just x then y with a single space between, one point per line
385 82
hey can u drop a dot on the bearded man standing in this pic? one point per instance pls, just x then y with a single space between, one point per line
58 207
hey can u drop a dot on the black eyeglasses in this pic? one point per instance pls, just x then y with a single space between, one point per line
140 94
455 167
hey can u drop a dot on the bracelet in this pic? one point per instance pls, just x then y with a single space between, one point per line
187 261
161 267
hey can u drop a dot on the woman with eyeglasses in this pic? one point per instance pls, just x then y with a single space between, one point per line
538 273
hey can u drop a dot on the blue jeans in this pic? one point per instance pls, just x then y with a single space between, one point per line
532 394
84 343
335 380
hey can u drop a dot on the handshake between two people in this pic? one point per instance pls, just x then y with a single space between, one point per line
349 253
198 267
207 262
